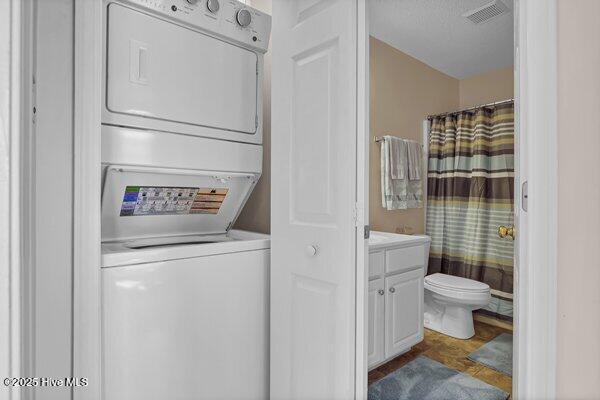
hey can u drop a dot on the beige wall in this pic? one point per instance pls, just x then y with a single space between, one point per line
492 86
403 92
256 215
578 364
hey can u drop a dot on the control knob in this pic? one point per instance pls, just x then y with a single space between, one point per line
213 6
243 18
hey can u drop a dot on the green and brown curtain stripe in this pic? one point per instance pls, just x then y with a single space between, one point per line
470 189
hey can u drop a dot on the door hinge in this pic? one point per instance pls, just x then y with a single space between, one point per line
33 99
524 196
359 213
359 219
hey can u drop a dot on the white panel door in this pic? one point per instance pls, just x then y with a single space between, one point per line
403 311
314 181
376 318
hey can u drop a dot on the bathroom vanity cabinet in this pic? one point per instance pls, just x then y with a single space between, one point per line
395 301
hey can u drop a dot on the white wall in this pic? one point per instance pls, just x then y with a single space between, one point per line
578 335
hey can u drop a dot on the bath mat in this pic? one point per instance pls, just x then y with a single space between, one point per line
496 354
425 379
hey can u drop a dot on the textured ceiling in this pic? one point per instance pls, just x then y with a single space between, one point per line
436 33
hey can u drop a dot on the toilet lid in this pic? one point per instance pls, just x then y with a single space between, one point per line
456 283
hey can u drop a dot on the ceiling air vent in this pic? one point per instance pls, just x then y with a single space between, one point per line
486 12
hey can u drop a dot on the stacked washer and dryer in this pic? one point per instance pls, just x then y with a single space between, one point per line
184 297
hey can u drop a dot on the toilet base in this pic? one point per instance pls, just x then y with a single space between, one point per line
455 321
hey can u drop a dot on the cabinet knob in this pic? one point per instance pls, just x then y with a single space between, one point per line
392 290
381 292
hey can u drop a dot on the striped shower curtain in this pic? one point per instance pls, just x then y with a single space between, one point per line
470 189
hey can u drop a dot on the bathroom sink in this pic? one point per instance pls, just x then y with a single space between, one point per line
385 239
376 238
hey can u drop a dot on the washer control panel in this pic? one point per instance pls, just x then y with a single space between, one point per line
227 19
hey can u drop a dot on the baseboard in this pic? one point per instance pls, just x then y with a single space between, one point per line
380 363
492 321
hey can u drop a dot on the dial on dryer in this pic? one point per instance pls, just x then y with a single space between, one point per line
213 6
243 18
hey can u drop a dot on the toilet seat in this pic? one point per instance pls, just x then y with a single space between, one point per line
451 282
462 290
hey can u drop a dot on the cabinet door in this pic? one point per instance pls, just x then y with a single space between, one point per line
376 321
404 259
404 311
376 263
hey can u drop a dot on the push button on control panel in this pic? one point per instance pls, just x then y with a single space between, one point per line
243 18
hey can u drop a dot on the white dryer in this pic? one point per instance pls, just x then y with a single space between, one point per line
184 297
185 66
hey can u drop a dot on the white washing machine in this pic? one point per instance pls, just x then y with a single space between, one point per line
184 297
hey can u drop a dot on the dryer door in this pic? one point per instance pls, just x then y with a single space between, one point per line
164 76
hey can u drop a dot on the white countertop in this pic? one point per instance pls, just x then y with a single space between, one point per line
386 239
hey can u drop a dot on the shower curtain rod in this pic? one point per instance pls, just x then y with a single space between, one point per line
472 108
379 139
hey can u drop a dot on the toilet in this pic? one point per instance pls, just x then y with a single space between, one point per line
450 302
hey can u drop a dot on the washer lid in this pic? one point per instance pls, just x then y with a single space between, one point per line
133 252
140 202
457 283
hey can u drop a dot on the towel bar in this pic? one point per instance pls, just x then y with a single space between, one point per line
379 139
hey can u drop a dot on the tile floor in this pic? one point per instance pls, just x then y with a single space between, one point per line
452 353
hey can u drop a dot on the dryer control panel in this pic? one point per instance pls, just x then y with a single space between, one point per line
227 19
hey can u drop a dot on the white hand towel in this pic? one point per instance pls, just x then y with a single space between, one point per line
415 160
398 163
398 194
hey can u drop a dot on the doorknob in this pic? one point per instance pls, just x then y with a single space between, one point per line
504 231
311 250
392 290
381 292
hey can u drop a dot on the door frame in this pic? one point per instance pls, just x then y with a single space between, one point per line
535 71
536 97
362 192
86 198
536 105
15 118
